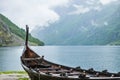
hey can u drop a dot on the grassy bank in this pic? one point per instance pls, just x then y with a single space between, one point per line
14 75
13 72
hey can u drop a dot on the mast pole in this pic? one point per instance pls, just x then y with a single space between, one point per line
27 32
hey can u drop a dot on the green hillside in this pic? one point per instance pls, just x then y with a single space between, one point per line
11 35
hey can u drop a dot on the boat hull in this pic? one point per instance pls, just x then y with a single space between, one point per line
38 76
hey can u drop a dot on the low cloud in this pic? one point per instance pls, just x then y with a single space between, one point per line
104 2
79 10
90 5
38 12
31 12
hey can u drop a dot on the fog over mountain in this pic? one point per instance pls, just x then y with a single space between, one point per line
83 22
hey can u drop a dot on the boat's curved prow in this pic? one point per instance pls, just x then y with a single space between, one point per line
28 53
27 33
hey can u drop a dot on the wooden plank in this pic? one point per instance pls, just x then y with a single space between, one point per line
28 59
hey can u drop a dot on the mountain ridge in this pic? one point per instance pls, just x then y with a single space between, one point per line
96 27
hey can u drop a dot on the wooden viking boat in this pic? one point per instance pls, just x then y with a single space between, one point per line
39 68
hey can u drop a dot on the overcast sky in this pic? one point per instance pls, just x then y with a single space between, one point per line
34 12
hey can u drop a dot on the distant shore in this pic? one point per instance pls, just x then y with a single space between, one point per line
14 75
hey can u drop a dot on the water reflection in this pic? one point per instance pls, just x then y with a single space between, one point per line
9 58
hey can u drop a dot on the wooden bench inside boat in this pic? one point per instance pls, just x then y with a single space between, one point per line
29 59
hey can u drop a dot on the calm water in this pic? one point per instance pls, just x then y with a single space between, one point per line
97 57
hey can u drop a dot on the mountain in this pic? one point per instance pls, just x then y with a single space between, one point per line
84 23
11 35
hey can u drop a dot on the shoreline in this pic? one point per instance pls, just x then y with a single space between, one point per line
14 75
